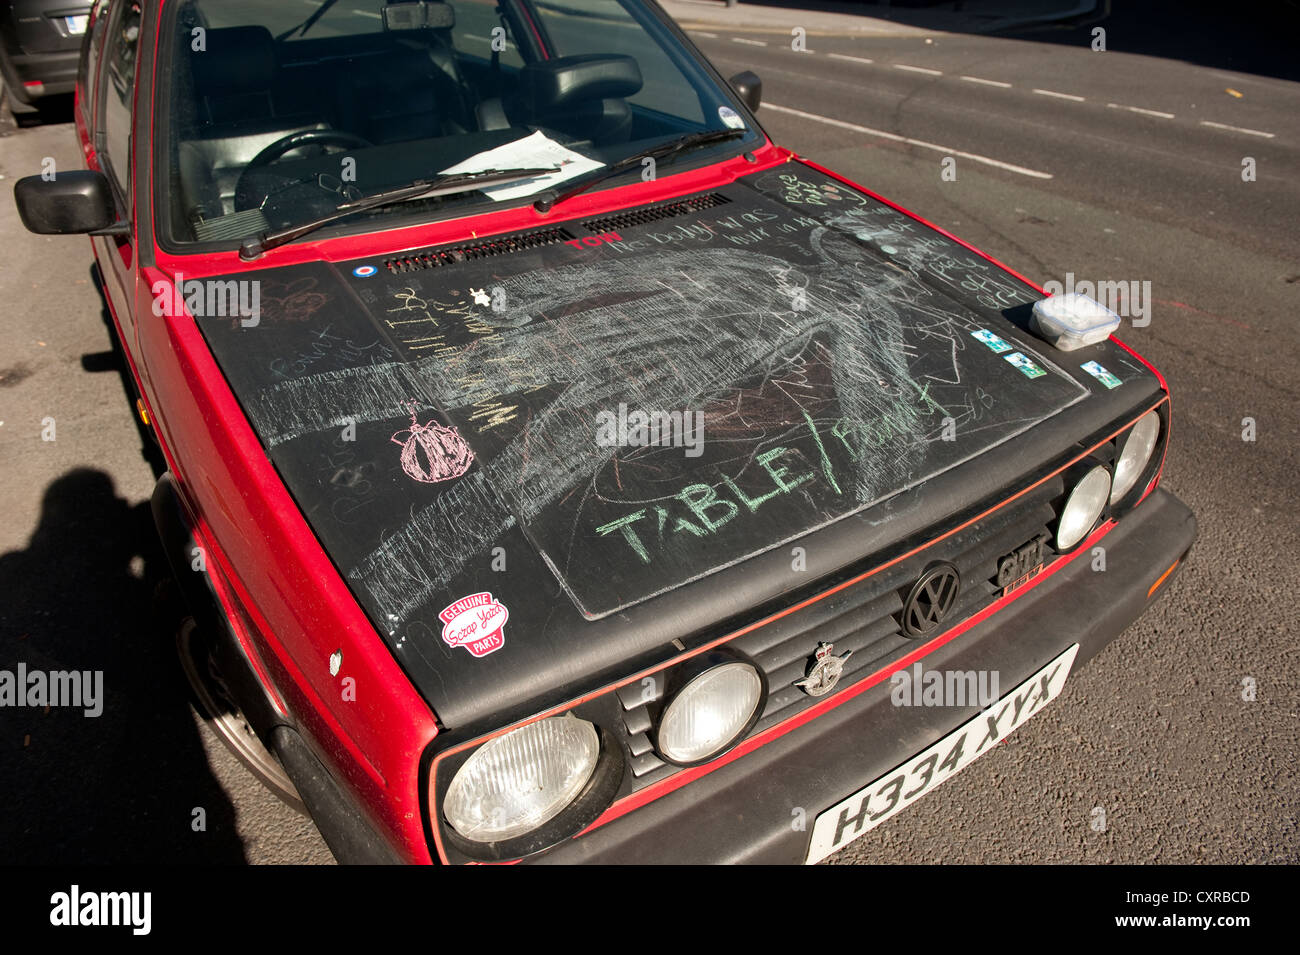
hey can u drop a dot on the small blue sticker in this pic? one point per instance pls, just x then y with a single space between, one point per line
364 271
986 337
1101 374
1026 365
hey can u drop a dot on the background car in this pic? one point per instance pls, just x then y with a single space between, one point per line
40 43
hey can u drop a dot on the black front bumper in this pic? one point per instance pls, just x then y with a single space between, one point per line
742 812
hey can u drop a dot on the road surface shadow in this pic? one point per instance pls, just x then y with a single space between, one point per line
1257 38
92 592
114 360
47 112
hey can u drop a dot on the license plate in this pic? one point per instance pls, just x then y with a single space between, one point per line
898 789
76 25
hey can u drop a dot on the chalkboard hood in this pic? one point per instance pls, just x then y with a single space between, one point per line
463 428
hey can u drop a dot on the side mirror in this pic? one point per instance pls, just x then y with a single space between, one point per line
75 202
749 87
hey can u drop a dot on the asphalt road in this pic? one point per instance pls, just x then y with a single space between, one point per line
1155 732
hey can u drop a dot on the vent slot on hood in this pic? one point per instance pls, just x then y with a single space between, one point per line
451 255
670 210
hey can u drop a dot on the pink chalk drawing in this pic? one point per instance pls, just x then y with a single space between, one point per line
476 622
431 453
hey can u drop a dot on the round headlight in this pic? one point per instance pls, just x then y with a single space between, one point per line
523 779
1133 458
709 712
1082 508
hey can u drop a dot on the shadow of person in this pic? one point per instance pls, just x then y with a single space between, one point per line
123 786
114 360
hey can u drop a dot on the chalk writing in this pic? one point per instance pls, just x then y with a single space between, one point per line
325 344
825 341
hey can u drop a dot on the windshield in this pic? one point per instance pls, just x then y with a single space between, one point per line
274 114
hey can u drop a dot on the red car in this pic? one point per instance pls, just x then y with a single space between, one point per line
558 470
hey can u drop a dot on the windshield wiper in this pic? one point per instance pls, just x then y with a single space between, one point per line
308 23
666 150
445 185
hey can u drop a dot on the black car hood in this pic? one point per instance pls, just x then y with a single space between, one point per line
460 426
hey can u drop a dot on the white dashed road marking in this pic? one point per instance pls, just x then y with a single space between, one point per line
1159 114
1139 109
1237 129
867 130
1069 96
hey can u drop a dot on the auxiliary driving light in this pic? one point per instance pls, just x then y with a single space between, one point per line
709 713
1139 443
1082 508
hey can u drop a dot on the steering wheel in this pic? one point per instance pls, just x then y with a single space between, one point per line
303 138
307 137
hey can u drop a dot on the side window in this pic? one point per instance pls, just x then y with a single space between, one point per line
118 91
90 66
478 25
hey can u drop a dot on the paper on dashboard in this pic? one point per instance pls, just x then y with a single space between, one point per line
527 153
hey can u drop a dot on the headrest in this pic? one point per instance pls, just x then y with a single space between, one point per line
234 60
551 84
440 16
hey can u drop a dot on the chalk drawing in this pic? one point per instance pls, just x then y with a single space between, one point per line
432 453
830 338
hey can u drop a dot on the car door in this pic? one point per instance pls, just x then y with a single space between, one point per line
114 106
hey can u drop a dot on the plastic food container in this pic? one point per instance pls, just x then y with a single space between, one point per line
1073 321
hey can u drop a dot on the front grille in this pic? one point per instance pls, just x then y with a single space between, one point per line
863 617
669 210
451 255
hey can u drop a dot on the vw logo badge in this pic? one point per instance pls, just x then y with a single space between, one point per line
931 598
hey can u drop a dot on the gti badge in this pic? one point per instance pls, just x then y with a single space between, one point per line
824 672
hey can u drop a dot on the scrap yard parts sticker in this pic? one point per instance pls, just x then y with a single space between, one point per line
476 622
